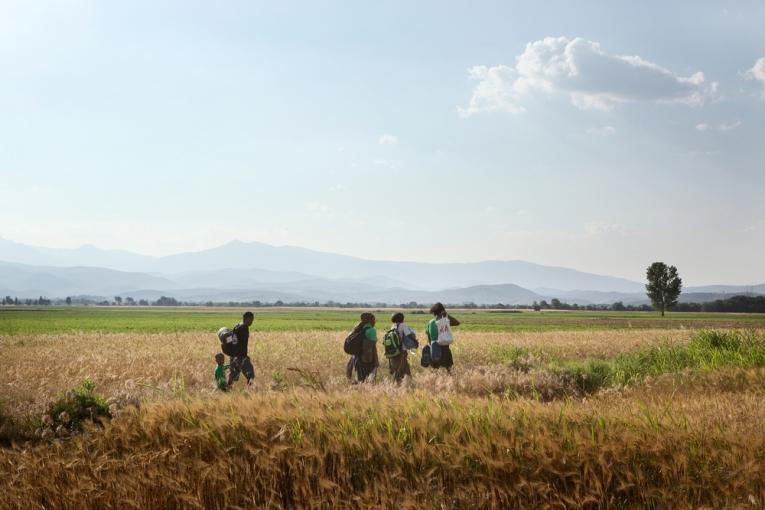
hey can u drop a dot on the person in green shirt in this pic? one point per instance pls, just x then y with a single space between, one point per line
446 360
220 372
365 365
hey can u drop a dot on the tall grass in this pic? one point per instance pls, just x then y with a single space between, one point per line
526 420
155 366
311 450
706 350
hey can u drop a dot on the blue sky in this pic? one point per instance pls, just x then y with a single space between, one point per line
595 135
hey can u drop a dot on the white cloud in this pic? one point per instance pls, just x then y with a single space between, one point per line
388 139
603 229
724 126
494 91
602 131
319 208
729 126
391 164
755 227
591 77
757 72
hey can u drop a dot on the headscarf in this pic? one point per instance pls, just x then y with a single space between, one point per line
365 319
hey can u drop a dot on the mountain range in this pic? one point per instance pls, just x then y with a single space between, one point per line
240 271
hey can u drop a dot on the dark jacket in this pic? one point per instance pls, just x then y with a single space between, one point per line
242 333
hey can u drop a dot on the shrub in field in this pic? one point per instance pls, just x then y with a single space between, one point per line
68 412
586 376
706 350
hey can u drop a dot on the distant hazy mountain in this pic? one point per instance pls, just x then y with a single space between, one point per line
25 281
235 278
508 294
290 259
257 271
588 297
728 289
705 297
19 280
412 274
86 255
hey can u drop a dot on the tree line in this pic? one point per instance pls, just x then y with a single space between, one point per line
734 304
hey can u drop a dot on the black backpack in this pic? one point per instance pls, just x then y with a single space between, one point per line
425 359
353 344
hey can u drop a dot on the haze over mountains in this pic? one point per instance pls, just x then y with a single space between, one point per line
239 271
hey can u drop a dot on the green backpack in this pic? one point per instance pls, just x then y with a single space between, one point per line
392 343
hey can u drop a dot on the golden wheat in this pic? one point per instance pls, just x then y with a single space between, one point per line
307 438
311 450
162 366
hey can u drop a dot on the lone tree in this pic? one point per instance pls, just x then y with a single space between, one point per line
663 287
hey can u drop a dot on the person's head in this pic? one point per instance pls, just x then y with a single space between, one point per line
368 318
247 318
397 318
219 359
437 309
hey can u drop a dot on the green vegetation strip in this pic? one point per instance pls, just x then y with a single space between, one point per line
707 350
52 320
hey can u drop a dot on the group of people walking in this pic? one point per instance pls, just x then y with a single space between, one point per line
399 342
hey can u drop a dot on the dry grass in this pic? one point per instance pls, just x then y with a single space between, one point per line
407 450
165 366
470 440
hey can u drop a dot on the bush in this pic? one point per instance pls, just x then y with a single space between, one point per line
706 350
587 376
69 411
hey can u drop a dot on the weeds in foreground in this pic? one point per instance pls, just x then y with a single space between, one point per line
312 450
72 409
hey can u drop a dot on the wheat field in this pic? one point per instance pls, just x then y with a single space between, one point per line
512 427
162 366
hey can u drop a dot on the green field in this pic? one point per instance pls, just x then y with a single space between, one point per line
42 320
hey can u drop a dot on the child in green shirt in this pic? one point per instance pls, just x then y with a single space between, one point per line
220 372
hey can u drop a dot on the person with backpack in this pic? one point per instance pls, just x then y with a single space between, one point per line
234 344
439 334
398 341
361 344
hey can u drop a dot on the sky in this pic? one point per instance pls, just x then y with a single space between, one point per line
598 135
